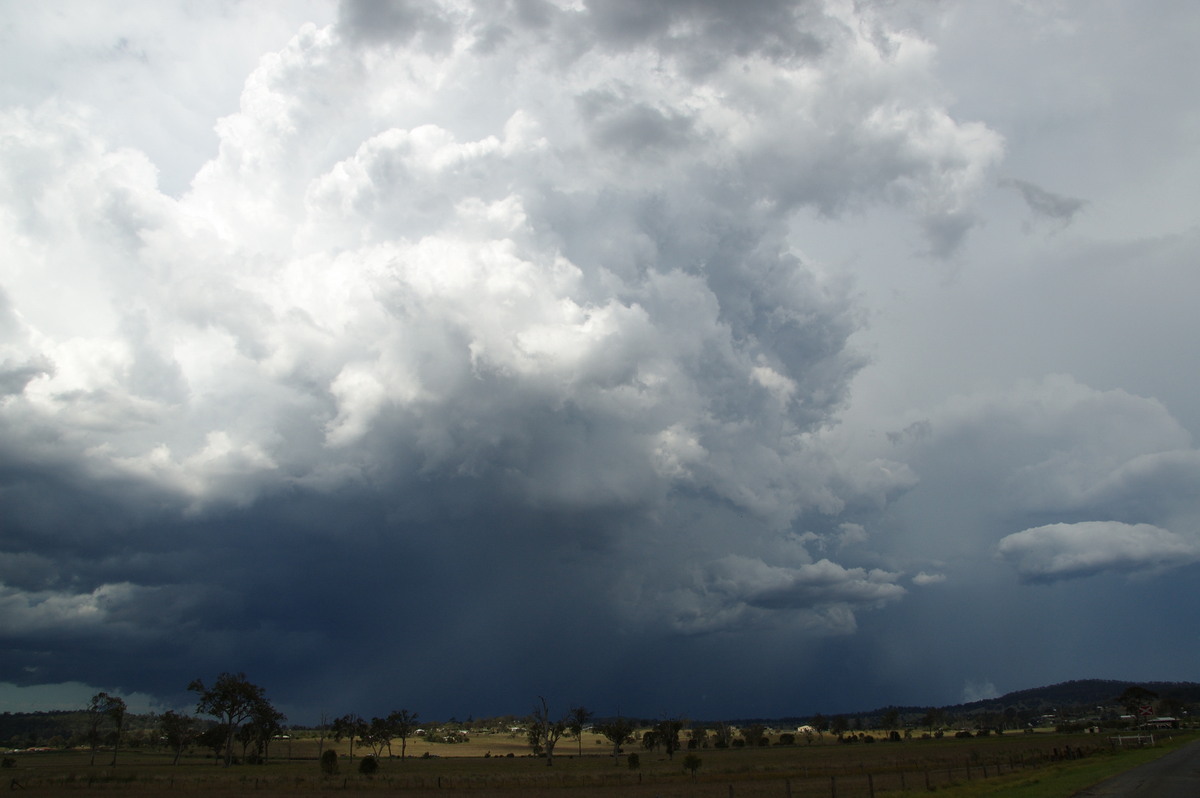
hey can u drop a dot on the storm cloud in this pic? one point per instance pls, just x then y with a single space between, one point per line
489 337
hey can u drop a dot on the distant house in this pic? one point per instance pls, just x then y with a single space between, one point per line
1162 723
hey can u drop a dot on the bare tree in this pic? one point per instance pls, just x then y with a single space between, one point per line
722 735
543 732
324 728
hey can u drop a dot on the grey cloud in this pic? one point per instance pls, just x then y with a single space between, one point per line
1039 454
15 375
946 232
1045 203
395 22
1067 551
697 27
632 127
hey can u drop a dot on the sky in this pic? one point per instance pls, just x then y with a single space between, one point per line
673 358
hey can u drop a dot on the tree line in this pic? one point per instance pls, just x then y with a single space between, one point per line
241 714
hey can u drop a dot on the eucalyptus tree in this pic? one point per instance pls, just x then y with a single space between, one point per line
544 732
404 725
377 735
104 707
348 726
177 731
618 731
577 718
232 700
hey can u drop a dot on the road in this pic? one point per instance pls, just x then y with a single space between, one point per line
1175 775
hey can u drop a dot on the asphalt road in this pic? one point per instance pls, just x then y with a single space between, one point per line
1175 775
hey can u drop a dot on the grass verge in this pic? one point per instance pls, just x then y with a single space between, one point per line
1064 779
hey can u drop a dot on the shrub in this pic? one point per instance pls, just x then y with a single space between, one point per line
368 766
329 762
787 739
691 763
635 761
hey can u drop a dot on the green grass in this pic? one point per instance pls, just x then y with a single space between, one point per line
1064 779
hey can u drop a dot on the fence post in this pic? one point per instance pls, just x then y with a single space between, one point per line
788 786
833 787
927 787
871 785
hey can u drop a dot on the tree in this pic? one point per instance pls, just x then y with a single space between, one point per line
265 723
104 707
933 718
722 735
95 719
544 732
323 729
618 732
666 733
753 734
691 763
403 723
232 700
177 730
377 735
116 713
215 738
891 719
577 718
1134 698
349 726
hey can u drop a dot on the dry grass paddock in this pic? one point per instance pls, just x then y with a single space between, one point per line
822 769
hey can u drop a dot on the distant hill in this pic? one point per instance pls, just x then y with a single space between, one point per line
22 729
1073 697
1082 693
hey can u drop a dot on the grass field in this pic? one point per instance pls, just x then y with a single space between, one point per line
1026 766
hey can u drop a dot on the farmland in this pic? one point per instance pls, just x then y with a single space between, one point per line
499 764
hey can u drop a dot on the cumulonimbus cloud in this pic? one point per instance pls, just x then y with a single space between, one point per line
481 264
